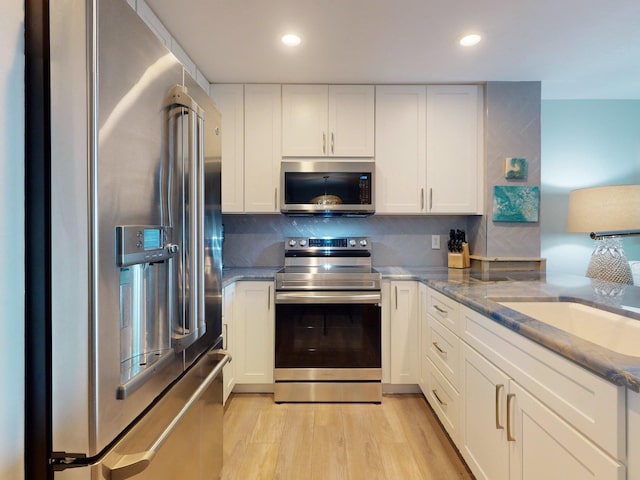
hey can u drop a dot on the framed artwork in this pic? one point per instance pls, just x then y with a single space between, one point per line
515 169
516 203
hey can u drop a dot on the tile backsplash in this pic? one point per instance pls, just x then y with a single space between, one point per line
258 240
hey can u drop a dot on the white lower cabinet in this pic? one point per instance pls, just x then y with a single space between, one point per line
508 434
254 328
483 435
543 445
228 333
515 410
405 342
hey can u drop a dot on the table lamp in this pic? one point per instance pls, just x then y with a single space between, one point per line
608 213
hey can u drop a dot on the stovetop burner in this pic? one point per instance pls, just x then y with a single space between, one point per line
327 263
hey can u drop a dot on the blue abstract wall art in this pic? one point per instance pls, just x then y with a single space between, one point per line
516 203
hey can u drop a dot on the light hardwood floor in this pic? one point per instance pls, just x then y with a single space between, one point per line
398 439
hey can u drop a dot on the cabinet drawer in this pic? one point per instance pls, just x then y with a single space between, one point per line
443 348
444 399
444 309
589 403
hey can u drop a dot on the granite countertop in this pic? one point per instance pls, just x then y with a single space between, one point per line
480 292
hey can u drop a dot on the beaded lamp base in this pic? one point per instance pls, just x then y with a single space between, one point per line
608 262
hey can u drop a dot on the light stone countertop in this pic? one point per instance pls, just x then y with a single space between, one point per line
481 293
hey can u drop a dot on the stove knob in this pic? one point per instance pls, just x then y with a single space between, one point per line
303 243
292 243
352 243
363 243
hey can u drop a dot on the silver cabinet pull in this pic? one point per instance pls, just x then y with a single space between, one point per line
129 465
439 348
324 143
332 143
396 287
430 199
435 394
510 437
269 298
422 199
441 310
498 390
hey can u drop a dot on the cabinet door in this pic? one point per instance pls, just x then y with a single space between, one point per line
229 98
423 333
228 332
262 156
404 333
454 149
254 327
304 120
542 445
483 441
400 149
351 121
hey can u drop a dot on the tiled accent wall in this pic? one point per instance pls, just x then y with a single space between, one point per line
258 240
512 130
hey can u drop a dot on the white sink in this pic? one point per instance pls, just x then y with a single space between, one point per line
616 332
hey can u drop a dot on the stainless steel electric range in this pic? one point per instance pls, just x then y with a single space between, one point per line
328 322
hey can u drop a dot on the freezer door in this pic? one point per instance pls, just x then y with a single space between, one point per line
181 436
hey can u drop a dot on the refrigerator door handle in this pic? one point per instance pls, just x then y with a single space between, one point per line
132 464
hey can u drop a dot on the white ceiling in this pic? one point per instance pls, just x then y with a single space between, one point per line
576 48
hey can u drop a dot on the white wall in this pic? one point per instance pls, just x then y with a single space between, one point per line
12 238
585 143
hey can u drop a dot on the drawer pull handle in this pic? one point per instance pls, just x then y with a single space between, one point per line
441 310
439 348
435 394
498 390
510 437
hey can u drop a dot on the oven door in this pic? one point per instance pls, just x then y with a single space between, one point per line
329 333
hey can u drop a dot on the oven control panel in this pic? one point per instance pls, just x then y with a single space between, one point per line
327 244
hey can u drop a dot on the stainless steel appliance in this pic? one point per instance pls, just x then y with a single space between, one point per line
327 188
136 279
328 322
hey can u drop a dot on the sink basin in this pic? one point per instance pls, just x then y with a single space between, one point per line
616 332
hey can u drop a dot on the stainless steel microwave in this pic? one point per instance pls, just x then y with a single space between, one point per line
327 187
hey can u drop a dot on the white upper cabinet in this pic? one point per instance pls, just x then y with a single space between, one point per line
400 137
262 148
454 149
229 98
328 120
429 149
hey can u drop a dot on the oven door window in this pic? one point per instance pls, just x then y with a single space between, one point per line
328 336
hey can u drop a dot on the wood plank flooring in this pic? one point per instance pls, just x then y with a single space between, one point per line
398 439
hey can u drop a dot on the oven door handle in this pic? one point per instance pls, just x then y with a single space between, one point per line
328 297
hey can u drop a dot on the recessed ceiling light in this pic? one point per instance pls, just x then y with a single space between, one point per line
470 40
291 40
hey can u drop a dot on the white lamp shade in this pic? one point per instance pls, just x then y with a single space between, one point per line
604 209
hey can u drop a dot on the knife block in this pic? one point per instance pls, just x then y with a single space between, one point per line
461 259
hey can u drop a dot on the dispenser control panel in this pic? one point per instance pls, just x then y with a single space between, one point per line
143 244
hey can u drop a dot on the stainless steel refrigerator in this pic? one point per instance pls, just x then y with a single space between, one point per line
136 370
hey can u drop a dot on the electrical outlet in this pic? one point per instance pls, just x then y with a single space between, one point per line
435 242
